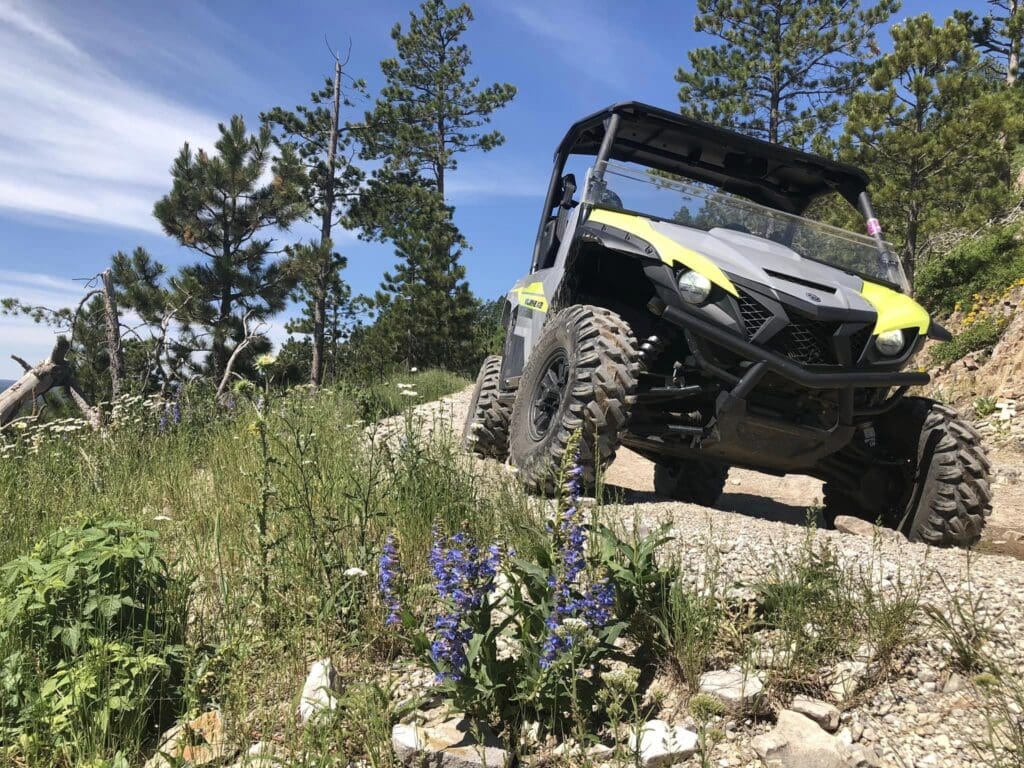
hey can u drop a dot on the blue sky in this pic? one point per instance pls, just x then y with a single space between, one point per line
97 98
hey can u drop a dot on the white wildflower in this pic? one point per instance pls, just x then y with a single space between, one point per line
354 572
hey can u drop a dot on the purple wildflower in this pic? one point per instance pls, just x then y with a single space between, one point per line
595 605
176 411
162 426
390 571
463 575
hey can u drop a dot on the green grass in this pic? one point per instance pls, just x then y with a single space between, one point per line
268 521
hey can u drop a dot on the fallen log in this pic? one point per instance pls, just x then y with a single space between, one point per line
40 379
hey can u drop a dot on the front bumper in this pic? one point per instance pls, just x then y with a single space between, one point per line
850 373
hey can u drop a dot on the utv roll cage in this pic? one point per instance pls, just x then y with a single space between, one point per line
772 175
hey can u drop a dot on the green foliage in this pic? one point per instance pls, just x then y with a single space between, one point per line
999 33
984 406
981 265
981 334
219 207
398 391
430 111
91 626
934 134
314 133
783 68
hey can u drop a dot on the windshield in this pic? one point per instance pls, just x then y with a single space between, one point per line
704 207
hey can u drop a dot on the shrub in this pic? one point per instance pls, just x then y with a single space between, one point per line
982 334
985 264
91 626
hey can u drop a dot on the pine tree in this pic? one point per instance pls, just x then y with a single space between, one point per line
932 133
783 68
329 314
315 133
219 207
1000 33
429 112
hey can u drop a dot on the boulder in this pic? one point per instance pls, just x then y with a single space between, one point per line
734 687
659 744
821 712
797 742
450 744
318 692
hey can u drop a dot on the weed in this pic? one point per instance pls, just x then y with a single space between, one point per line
964 621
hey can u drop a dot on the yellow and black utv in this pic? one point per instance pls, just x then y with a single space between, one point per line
680 303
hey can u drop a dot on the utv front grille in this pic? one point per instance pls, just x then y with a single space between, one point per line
806 341
753 313
859 341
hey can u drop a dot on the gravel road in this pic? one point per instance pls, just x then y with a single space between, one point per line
926 714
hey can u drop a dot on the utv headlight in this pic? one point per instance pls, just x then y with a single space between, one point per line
694 287
890 343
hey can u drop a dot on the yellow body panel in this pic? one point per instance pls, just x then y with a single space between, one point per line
669 251
896 311
532 296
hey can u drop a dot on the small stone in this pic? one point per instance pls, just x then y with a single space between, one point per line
797 742
863 757
199 742
942 742
661 744
846 676
953 684
929 687
733 687
824 714
448 745
858 527
318 692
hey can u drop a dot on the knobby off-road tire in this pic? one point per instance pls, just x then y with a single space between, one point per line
588 356
486 430
945 495
693 481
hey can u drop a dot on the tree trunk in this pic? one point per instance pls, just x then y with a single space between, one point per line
41 378
113 333
1013 61
316 371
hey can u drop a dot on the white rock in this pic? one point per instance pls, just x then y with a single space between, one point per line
661 744
821 712
847 676
858 527
450 744
796 742
734 687
318 692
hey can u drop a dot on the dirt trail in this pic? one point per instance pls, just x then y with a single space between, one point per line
787 499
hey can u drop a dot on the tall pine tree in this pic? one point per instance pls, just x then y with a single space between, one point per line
429 112
221 207
933 133
783 67
999 33
315 133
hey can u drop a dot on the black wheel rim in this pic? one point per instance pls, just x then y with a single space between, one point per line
549 394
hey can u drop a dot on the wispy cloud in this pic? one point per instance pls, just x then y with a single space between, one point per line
577 34
78 141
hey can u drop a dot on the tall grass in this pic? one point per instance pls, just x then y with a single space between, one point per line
273 513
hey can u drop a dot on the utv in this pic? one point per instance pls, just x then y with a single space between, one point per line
679 303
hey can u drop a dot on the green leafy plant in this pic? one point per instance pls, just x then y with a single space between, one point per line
91 632
984 406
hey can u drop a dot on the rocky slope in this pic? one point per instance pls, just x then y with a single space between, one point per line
926 712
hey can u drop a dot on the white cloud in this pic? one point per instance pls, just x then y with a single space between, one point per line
577 34
78 142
